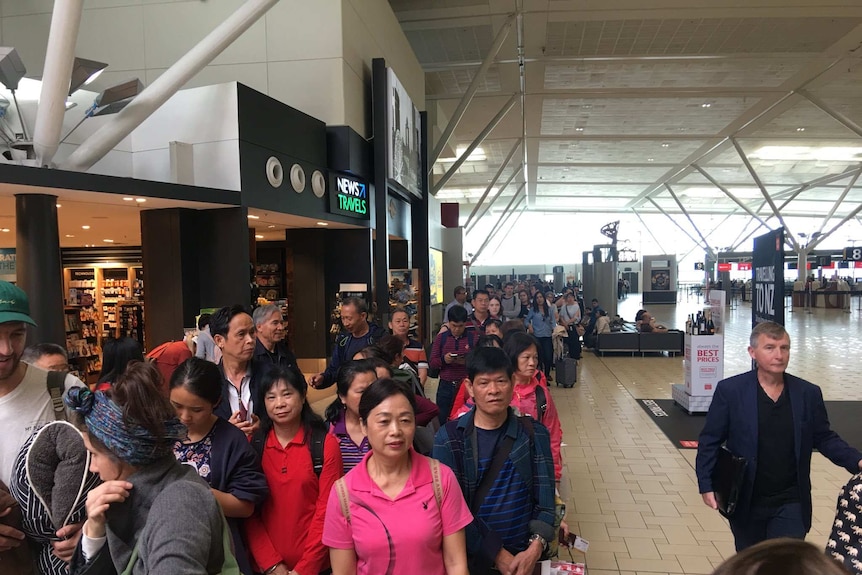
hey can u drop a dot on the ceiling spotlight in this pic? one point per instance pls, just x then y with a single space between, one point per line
579 129
650 159
59 205
85 227
108 241
800 129
84 72
258 236
4 230
665 145
706 105
322 223
128 199
69 236
270 226
140 200
253 217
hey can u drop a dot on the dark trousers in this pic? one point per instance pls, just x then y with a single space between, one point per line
765 523
574 344
546 354
446 392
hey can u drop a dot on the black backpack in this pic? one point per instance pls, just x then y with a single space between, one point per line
315 445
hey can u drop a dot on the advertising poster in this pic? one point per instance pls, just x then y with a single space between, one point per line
704 365
660 280
716 307
8 268
436 276
768 278
404 138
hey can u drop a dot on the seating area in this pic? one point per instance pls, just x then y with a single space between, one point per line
631 341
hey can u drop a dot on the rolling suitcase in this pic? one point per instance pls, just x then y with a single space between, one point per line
567 371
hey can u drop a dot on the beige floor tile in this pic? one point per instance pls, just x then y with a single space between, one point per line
695 564
601 560
650 565
678 535
630 519
668 550
627 533
642 549
593 531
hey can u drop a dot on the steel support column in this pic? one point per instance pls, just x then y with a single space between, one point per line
56 77
835 114
493 201
840 199
846 219
493 183
682 229
709 251
453 169
112 133
504 217
646 227
508 228
471 91
763 191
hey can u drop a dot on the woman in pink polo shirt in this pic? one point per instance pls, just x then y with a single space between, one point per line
395 499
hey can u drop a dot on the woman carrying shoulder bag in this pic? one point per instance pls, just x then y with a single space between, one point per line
151 515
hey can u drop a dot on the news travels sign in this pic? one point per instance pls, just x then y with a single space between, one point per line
349 196
768 278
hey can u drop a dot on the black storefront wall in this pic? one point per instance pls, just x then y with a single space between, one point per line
193 259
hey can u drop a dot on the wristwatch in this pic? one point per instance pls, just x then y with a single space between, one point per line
540 539
272 569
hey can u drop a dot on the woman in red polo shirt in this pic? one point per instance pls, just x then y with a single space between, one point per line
284 535
395 499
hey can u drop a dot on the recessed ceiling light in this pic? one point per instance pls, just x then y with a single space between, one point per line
85 227
665 145
270 226
69 236
59 205
322 223
650 159
579 129
4 230
800 129
140 200
253 217
108 241
128 199
587 106
258 236
706 105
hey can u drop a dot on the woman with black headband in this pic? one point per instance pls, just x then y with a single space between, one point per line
151 514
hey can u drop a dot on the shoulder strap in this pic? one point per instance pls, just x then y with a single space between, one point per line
527 422
315 444
343 498
492 472
56 385
541 403
435 480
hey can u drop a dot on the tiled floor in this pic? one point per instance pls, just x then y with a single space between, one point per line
631 493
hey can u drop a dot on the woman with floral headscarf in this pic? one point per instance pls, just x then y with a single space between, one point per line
151 514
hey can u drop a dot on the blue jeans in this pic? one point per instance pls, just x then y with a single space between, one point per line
446 391
765 523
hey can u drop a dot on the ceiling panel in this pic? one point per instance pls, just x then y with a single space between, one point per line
579 203
455 82
815 122
592 151
410 5
450 44
600 174
665 116
585 190
695 36
725 73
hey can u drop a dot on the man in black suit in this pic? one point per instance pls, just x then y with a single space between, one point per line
774 420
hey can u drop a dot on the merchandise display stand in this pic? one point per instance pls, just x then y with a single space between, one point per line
704 361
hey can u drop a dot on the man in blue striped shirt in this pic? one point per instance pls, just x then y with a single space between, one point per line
505 468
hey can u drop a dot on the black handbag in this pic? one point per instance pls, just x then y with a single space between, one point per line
727 480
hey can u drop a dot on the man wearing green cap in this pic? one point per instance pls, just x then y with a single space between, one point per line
25 403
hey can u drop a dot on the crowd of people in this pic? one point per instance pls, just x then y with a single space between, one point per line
220 464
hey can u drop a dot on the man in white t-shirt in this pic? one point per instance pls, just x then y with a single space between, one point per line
25 403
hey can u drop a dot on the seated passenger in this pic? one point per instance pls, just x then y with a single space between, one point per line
648 324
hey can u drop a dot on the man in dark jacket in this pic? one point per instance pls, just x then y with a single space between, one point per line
774 420
358 334
233 332
270 347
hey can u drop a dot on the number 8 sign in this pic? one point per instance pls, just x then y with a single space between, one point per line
853 254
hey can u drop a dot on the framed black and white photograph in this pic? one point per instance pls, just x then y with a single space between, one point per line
404 141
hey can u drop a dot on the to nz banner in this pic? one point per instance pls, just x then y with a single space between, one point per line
768 278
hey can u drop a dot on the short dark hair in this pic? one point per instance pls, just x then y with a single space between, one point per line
494 321
515 343
513 325
380 391
200 377
459 289
486 340
376 362
271 377
594 300
480 292
457 314
509 284
488 360
117 354
356 302
204 320
347 372
40 350
220 320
